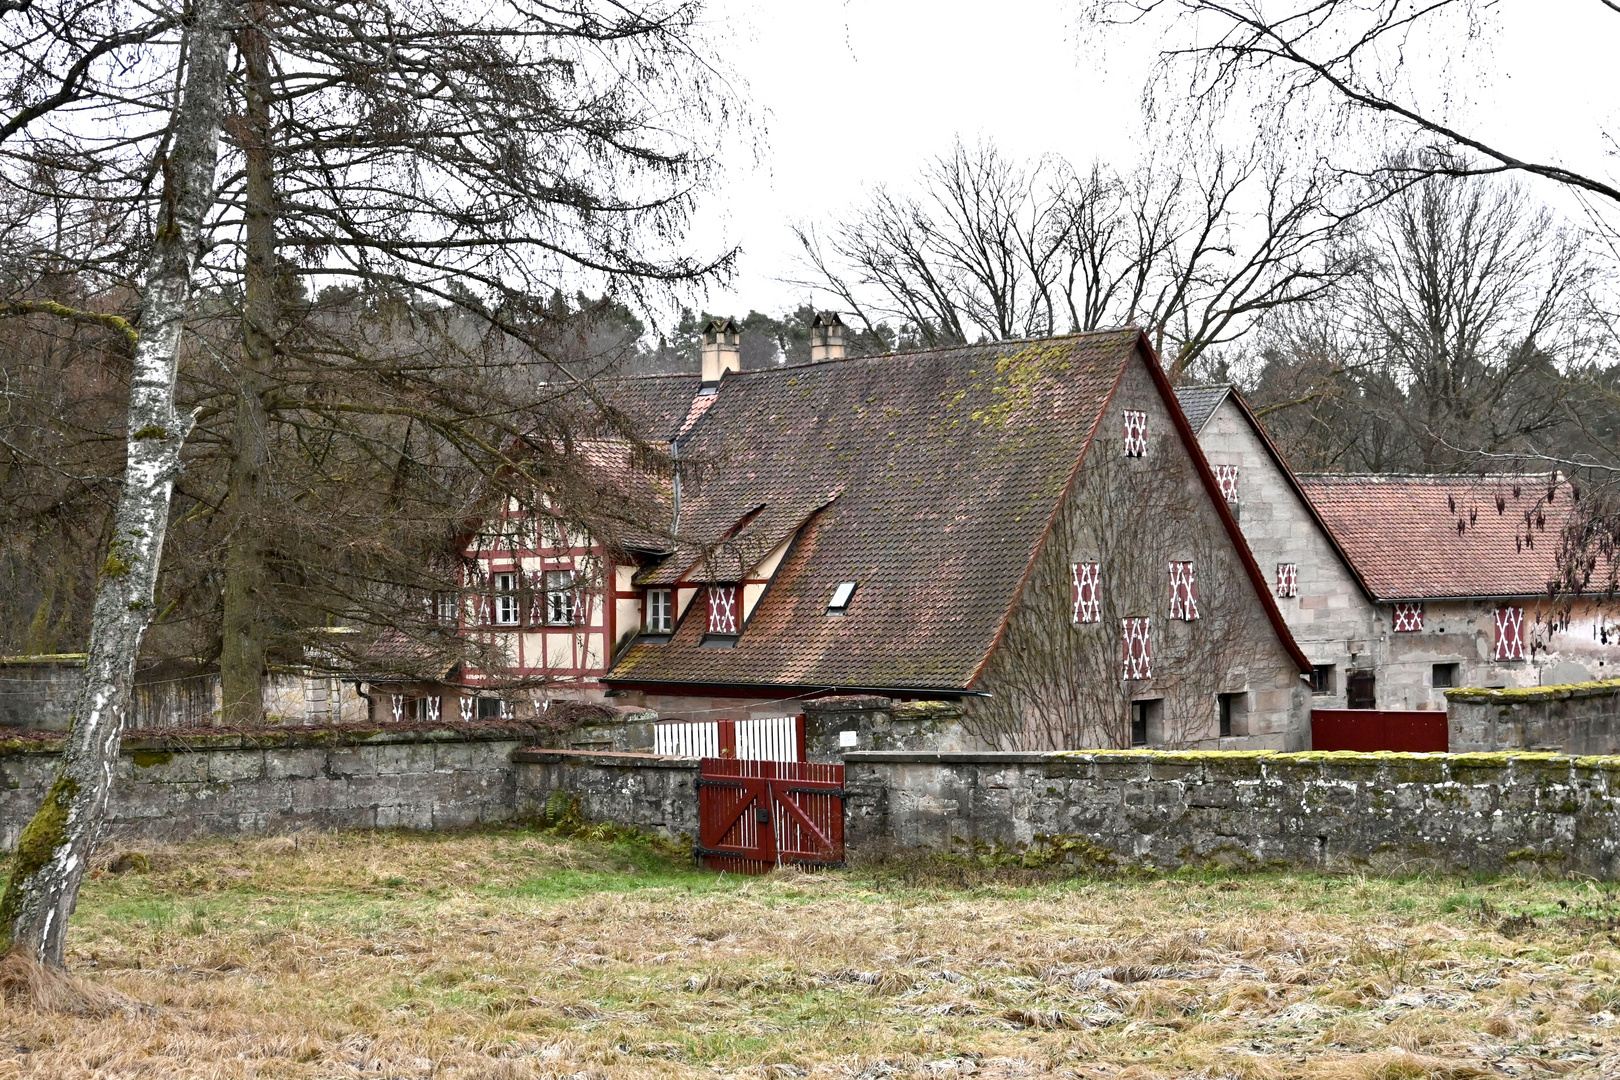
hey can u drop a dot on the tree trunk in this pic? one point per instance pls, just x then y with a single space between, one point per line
242 661
56 844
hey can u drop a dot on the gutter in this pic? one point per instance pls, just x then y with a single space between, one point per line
666 686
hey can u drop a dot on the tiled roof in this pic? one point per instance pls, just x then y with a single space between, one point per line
1200 402
657 405
1430 537
942 469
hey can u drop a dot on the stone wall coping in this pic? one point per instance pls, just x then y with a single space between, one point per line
1497 759
44 659
197 740
1531 694
534 755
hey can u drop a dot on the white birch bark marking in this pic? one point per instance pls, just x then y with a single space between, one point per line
56 844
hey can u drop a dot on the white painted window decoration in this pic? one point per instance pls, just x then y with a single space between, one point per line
397 706
1510 633
842 595
722 609
1135 433
508 605
1136 649
561 601
1183 591
1408 618
1086 592
1287 579
467 705
1227 477
660 612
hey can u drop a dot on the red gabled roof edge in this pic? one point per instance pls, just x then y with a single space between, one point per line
1293 484
1262 586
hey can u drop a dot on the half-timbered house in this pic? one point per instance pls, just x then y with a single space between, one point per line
1026 527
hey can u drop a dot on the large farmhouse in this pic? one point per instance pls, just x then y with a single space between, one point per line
1026 527
1400 587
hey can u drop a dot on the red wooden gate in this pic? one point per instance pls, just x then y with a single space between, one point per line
1418 730
753 815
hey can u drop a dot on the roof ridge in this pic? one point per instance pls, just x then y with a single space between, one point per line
1132 328
1458 477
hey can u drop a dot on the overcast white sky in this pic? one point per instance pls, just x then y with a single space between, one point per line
856 92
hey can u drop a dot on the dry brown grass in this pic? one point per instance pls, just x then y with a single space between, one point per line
513 954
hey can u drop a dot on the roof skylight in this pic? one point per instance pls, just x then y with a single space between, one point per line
840 598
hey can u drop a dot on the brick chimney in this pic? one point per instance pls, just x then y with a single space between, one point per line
722 349
826 337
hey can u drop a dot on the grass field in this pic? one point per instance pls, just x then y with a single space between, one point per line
519 954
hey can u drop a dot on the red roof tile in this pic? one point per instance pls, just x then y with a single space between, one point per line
1432 537
946 466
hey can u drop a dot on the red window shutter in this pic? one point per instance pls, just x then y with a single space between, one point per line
1287 579
722 609
1135 433
1137 648
1408 618
1510 633
1227 477
1087 592
1183 591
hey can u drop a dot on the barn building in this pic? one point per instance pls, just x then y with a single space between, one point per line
1028 528
1400 587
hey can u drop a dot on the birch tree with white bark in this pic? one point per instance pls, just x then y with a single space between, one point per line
54 849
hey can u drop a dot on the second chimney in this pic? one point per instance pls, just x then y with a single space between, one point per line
826 337
722 349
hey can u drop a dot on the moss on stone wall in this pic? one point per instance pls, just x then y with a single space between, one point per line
45 832
1530 694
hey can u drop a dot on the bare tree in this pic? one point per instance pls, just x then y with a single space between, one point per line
54 848
1458 335
1333 64
1195 252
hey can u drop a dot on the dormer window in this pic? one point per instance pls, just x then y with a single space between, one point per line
660 613
723 610
842 595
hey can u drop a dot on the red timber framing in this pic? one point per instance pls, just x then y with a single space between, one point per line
756 815
519 545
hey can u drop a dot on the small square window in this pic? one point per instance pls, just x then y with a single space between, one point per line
1143 716
1233 708
1322 679
660 613
842 595
490 708
1445 676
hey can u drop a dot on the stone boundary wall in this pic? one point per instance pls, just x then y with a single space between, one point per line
654 792
171 788
1579 718
1389 813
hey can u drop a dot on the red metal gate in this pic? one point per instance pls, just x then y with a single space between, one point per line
753 815
1412 731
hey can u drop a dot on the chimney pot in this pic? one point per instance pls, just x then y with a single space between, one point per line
722 349
826 337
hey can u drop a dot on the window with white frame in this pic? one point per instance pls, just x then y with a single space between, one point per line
660 612
507 603
447 607
560 598
842 594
